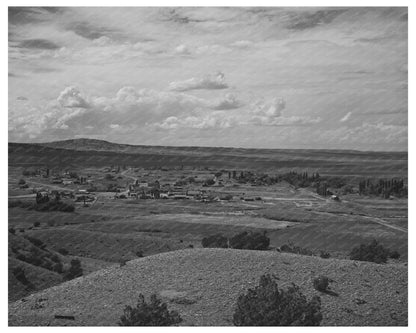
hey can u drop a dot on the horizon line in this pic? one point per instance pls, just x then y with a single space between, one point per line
220 147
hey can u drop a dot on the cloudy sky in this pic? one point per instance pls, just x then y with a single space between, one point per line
244 77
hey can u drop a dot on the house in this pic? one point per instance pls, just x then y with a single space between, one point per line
335 197
164 196
85 198
193 193
180 196
132 194
82 192
56 181
154 184
67 194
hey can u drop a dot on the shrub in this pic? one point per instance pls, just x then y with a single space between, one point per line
394 255
296 249
19 274
215 241
139 254
36 242
63 251
43 206
250 241
209 182
58 267
321 283
267 305
21 181
245 240
54 206
29 173
12 231
20 204
373 251
36 224
55 258
325 255
75 270
155 313
108 177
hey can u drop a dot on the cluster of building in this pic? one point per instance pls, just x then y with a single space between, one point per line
68 178
155 190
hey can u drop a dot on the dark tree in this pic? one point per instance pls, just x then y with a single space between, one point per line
267 305
75 270
155 313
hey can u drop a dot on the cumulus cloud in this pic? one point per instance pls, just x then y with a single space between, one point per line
182 49
229 102
271 109
346 117
212 49
285 121
211 121
209 82
126 112
271 114
129 110
242 44
102 41
71 97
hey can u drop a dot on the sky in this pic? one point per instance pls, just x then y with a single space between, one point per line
297 77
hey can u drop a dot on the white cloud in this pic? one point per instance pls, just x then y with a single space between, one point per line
269 109
242 44
271 114
182 49
102 41
211 121
346 117
229 102
209 82
212 49
71 97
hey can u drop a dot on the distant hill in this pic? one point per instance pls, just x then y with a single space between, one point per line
89 152
203 286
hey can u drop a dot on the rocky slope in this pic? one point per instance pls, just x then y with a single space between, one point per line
203 286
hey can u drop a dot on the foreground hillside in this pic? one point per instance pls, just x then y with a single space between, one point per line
203 286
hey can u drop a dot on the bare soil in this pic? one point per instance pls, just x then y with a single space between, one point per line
203 286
